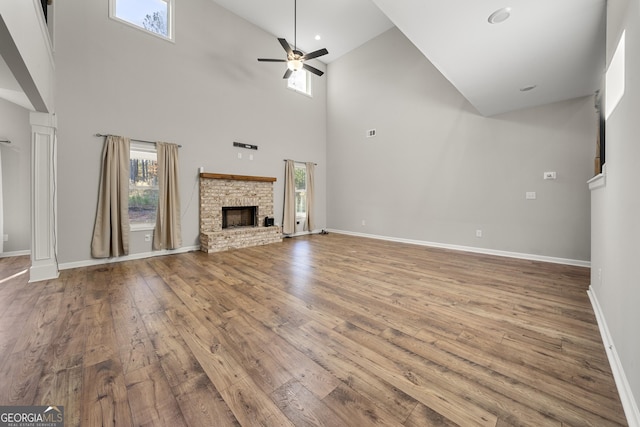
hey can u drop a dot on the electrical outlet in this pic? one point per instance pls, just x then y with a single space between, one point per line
239 155
371 133
530 195
478 233
364 222
5 237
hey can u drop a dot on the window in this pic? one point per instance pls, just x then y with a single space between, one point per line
143 185
300 81
153 16
614 78
301 190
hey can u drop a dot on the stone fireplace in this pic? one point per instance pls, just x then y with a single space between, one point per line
233 209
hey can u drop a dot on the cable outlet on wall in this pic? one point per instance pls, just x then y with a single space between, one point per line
549 175
147 237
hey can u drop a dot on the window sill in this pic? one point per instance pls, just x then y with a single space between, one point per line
598 181
170 39
301 92
142 227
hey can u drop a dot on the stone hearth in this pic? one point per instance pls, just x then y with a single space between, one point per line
218 191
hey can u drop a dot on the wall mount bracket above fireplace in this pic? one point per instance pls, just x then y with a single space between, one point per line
243 145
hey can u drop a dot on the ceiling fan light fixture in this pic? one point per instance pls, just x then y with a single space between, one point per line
294 64
295 58
499 16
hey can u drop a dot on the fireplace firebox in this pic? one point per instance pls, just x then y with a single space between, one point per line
239 216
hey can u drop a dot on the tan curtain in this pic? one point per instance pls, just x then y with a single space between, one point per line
111 229
289 219
309 224
168 233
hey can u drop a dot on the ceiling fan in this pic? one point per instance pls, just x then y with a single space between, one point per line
295 58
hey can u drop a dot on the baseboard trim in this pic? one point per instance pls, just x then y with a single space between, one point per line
14 253
624 389
519 255
43 270
301 233
142 255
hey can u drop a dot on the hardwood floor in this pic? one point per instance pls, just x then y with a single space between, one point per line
327 330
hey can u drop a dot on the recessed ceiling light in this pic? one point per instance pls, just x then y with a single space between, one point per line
318 37
528 88
499 15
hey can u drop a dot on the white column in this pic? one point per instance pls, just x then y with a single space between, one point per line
44 263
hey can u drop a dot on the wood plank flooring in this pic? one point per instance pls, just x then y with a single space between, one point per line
323 330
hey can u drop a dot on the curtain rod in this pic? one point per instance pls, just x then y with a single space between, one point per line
295 161
132 139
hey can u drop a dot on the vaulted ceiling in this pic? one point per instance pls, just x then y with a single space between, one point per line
556 48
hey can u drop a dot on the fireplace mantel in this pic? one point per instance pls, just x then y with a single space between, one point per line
209 175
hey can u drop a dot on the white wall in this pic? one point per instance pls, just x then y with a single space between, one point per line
204 91
16 176
615 278
437 171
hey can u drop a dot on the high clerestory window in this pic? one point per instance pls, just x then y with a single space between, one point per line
615 78
300 81
152 16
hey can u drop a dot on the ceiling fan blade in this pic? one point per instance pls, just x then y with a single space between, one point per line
271 60
312 69
287 73
314 54
286 46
